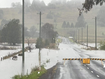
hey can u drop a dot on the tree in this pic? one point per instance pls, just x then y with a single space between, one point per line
53 1
27 3
16 5
46 42
72 25
57 15
33 32
26 32
68 25
43 5
48 32
88 4
3 22
39 43
80 21
64 24
49 15
11 33
51 6
38 5
0 36
4 35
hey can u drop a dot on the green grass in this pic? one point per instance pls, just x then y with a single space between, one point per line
48 60
58 40
71 40
102 45
34 74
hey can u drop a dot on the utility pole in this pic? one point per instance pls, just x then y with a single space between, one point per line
81 35
78 35
23 38
87 35
75 36
95 33
40 42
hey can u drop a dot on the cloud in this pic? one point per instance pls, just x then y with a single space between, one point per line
7 3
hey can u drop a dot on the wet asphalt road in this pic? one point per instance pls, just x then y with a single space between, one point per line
75 69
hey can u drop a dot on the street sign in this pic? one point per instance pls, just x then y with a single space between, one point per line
86 61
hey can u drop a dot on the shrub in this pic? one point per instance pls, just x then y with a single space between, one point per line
48 60
52 45
102 45
46 42
39 41
33 75
36 68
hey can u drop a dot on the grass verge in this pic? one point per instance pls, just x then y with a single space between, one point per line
71 40
35 74
58 40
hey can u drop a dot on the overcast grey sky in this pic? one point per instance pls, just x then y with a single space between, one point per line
7 3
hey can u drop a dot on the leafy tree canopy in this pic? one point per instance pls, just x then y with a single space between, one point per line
88 4
33 32
11 33
72 25
64 24
16 5
3 22
50 15
48 32
80 21
26 32
68 25
38 5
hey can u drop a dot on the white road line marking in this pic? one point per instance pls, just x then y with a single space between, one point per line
98 76
91 71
